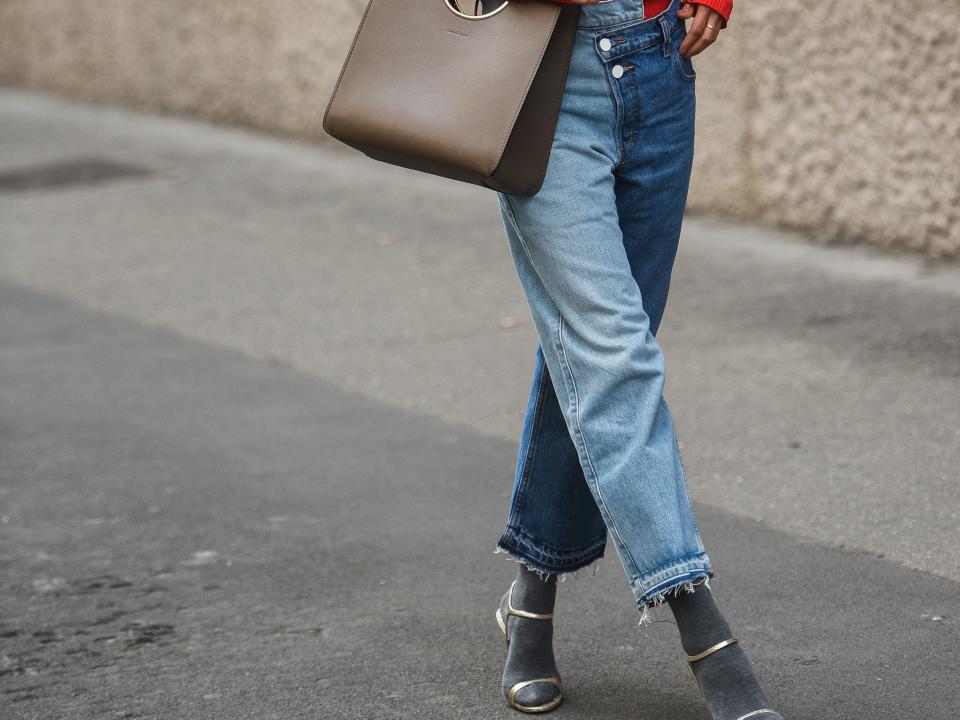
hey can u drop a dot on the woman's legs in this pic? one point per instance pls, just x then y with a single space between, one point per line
604 432
594 251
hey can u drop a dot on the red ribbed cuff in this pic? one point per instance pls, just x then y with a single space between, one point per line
724 7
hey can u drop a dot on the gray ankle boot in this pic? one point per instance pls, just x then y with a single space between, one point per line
531 682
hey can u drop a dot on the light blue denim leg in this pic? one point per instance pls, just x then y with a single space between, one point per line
583 248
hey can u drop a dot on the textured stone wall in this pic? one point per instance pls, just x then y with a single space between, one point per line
830 117
265 63
840 118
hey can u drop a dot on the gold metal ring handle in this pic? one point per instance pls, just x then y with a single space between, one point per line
455 9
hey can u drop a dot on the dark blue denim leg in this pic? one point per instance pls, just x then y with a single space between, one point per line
654 175
554 524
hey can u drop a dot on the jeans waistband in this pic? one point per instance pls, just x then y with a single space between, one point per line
614 13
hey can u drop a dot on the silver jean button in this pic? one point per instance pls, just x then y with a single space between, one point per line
617 71
605 44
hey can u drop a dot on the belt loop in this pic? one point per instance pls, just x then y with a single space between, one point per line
667 34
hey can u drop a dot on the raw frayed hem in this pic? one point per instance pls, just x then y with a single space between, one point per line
661 598
593 566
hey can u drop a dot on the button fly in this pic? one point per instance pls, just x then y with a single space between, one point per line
605 44
617 71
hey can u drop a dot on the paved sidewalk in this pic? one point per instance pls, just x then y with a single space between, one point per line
258 408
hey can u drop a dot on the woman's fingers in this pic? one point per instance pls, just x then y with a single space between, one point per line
702 33
686 11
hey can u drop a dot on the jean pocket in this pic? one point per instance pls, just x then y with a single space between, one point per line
684 65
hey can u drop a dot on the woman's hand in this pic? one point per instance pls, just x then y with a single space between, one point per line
704 30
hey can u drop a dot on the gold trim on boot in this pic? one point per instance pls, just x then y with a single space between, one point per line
546 707
764 711
711 650
691 659
512 693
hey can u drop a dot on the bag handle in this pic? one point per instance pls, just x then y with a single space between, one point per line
454 7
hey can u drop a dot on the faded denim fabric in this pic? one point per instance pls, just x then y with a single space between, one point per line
594 250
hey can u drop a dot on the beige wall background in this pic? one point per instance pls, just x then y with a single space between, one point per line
841 119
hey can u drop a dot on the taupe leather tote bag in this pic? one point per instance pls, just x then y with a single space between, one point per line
470 97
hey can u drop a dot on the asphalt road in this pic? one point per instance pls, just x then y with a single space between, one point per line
258 404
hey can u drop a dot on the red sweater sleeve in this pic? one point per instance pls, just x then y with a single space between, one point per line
724 7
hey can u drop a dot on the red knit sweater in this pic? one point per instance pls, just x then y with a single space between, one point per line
655 7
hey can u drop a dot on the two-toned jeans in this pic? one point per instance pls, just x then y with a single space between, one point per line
594 251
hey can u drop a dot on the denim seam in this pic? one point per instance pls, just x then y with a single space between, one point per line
683 73
680 71
694 567
627 51
547 562
652 595
554 551
565 365
618 107
683 478
529 453
667 37
546 568
530 554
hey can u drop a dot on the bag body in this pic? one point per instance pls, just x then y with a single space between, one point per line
470 98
